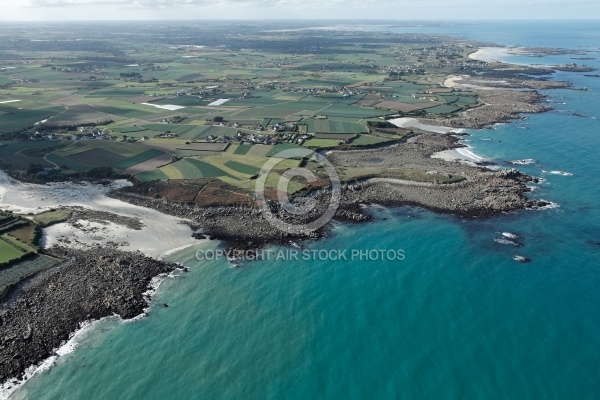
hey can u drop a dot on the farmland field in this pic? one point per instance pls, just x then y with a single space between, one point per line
75 148
265 112
367 140
153 175
242 168
16 243
407 107
443 109
129 129
14 119
279 148
48 218
148 165
334 126
127 112
195 132
68 163
80 114
24 161
97 156
124 149
138 158
242 149
259 150
352 111
204 146
336 136
316 143
23 233
22 269
317 98
16 147
190 168
8 252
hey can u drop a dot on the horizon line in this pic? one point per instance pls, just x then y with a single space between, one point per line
595 19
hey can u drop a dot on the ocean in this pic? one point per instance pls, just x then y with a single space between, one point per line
454 318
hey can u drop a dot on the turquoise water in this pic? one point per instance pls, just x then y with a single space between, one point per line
456 319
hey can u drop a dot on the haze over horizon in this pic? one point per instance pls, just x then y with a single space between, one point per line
78 10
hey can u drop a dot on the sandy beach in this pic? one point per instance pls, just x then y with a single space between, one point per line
160 232
494 54
458 82
414 123
454 80
461 154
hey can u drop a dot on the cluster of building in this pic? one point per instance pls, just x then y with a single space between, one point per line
260 138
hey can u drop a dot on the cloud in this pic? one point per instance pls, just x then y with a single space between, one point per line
296 9
212 3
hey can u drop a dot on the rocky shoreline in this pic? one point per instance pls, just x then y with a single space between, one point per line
89 285
481 192
501 101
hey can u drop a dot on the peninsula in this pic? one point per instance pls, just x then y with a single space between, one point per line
126 144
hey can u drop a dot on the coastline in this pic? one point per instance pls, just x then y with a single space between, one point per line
223 222
48 309
100 233
495 54
504 191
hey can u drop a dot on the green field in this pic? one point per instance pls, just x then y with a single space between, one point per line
83 156
315 143
190 168
48 218
68 163
149 176
242 149
8 252
14 119
368 140
129 129
12 147
352 112
17 244
22 269
265 112
326 125
79 115
279 148
124 111
138 158
445 109
242 168
78 147
195 132
98 157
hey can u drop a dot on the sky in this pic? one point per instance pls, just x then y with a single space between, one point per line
56 10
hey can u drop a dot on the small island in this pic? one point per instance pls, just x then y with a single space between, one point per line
573 68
